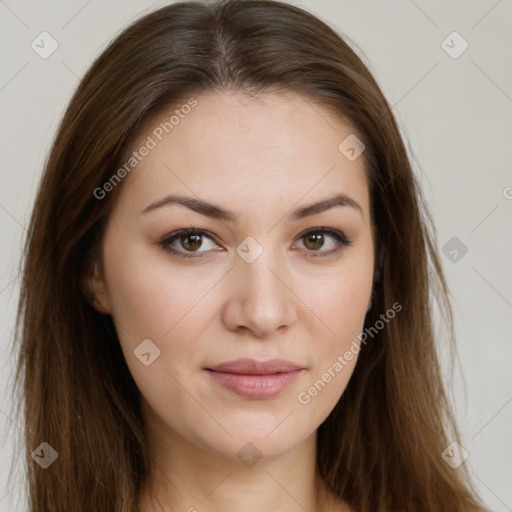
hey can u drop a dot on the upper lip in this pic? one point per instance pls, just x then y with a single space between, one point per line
253 367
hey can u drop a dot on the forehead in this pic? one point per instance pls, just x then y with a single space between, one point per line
230 147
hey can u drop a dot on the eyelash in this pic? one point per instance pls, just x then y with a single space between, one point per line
341 240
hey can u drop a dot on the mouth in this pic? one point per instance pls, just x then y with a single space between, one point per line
254 379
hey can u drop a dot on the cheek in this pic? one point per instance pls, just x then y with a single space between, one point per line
345 305
150 298
340 298
340 302
333 359
152 302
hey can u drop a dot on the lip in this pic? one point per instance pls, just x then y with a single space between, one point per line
255 379
253 367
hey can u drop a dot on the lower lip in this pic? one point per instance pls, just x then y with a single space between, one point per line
255 386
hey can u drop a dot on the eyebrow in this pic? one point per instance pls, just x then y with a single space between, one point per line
216 212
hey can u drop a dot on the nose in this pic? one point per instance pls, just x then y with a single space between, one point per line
261 298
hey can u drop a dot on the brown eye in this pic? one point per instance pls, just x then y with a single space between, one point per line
314 241
191 242
323 242
187 242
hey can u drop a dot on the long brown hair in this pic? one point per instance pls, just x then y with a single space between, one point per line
380 448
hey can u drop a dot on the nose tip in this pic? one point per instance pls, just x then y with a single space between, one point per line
260 301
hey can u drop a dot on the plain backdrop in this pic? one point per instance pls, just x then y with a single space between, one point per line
454 109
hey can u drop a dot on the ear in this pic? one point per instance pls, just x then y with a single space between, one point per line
377 275
379 263
94 288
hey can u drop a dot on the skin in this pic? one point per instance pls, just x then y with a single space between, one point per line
261 158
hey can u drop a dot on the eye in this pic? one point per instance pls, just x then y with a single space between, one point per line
318 238
185 242
189 242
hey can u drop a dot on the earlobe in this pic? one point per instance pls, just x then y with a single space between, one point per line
95 291
97 306
377 275
379 265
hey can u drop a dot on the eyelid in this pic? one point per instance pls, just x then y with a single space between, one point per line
341 239
166 242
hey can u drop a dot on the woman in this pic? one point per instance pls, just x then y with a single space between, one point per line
225 298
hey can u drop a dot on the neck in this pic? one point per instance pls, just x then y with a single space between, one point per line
187 478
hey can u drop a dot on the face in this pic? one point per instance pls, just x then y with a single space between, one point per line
259 277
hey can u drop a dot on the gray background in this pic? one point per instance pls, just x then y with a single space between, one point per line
455 114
